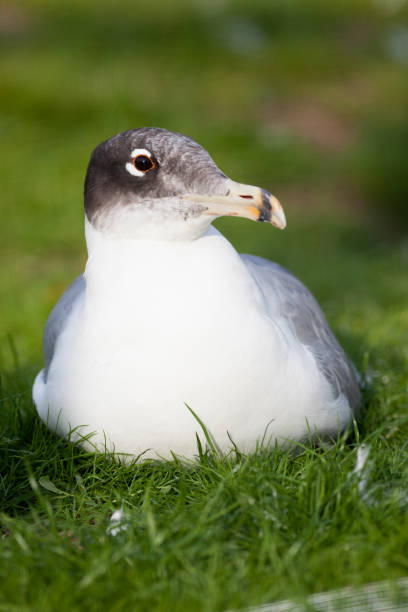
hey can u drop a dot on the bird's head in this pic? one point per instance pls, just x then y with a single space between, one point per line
153 183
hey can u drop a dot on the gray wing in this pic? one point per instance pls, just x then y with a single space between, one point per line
58 318
309 324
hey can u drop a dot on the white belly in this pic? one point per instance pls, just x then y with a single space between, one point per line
159 331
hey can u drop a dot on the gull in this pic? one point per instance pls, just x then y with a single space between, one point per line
169 327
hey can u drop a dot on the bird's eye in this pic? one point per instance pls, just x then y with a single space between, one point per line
143 163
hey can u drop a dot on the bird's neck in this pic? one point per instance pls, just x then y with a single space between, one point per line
111 248
159 221
128 269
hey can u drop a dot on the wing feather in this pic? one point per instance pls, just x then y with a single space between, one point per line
298 306
58 317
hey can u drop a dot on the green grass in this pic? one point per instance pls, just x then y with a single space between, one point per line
212 535
303 99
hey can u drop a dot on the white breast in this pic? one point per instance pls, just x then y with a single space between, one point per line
165 324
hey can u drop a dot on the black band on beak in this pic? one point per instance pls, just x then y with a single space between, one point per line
265 210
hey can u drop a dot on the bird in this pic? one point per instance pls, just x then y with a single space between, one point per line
170 334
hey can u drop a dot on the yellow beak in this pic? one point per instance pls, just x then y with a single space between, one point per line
243 201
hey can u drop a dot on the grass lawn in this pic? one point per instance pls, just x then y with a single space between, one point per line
306 99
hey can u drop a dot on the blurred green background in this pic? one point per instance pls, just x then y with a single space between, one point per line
308 99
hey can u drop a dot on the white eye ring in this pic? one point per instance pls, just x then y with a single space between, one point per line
130 166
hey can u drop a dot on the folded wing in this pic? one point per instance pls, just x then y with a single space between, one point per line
301 311
58 318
